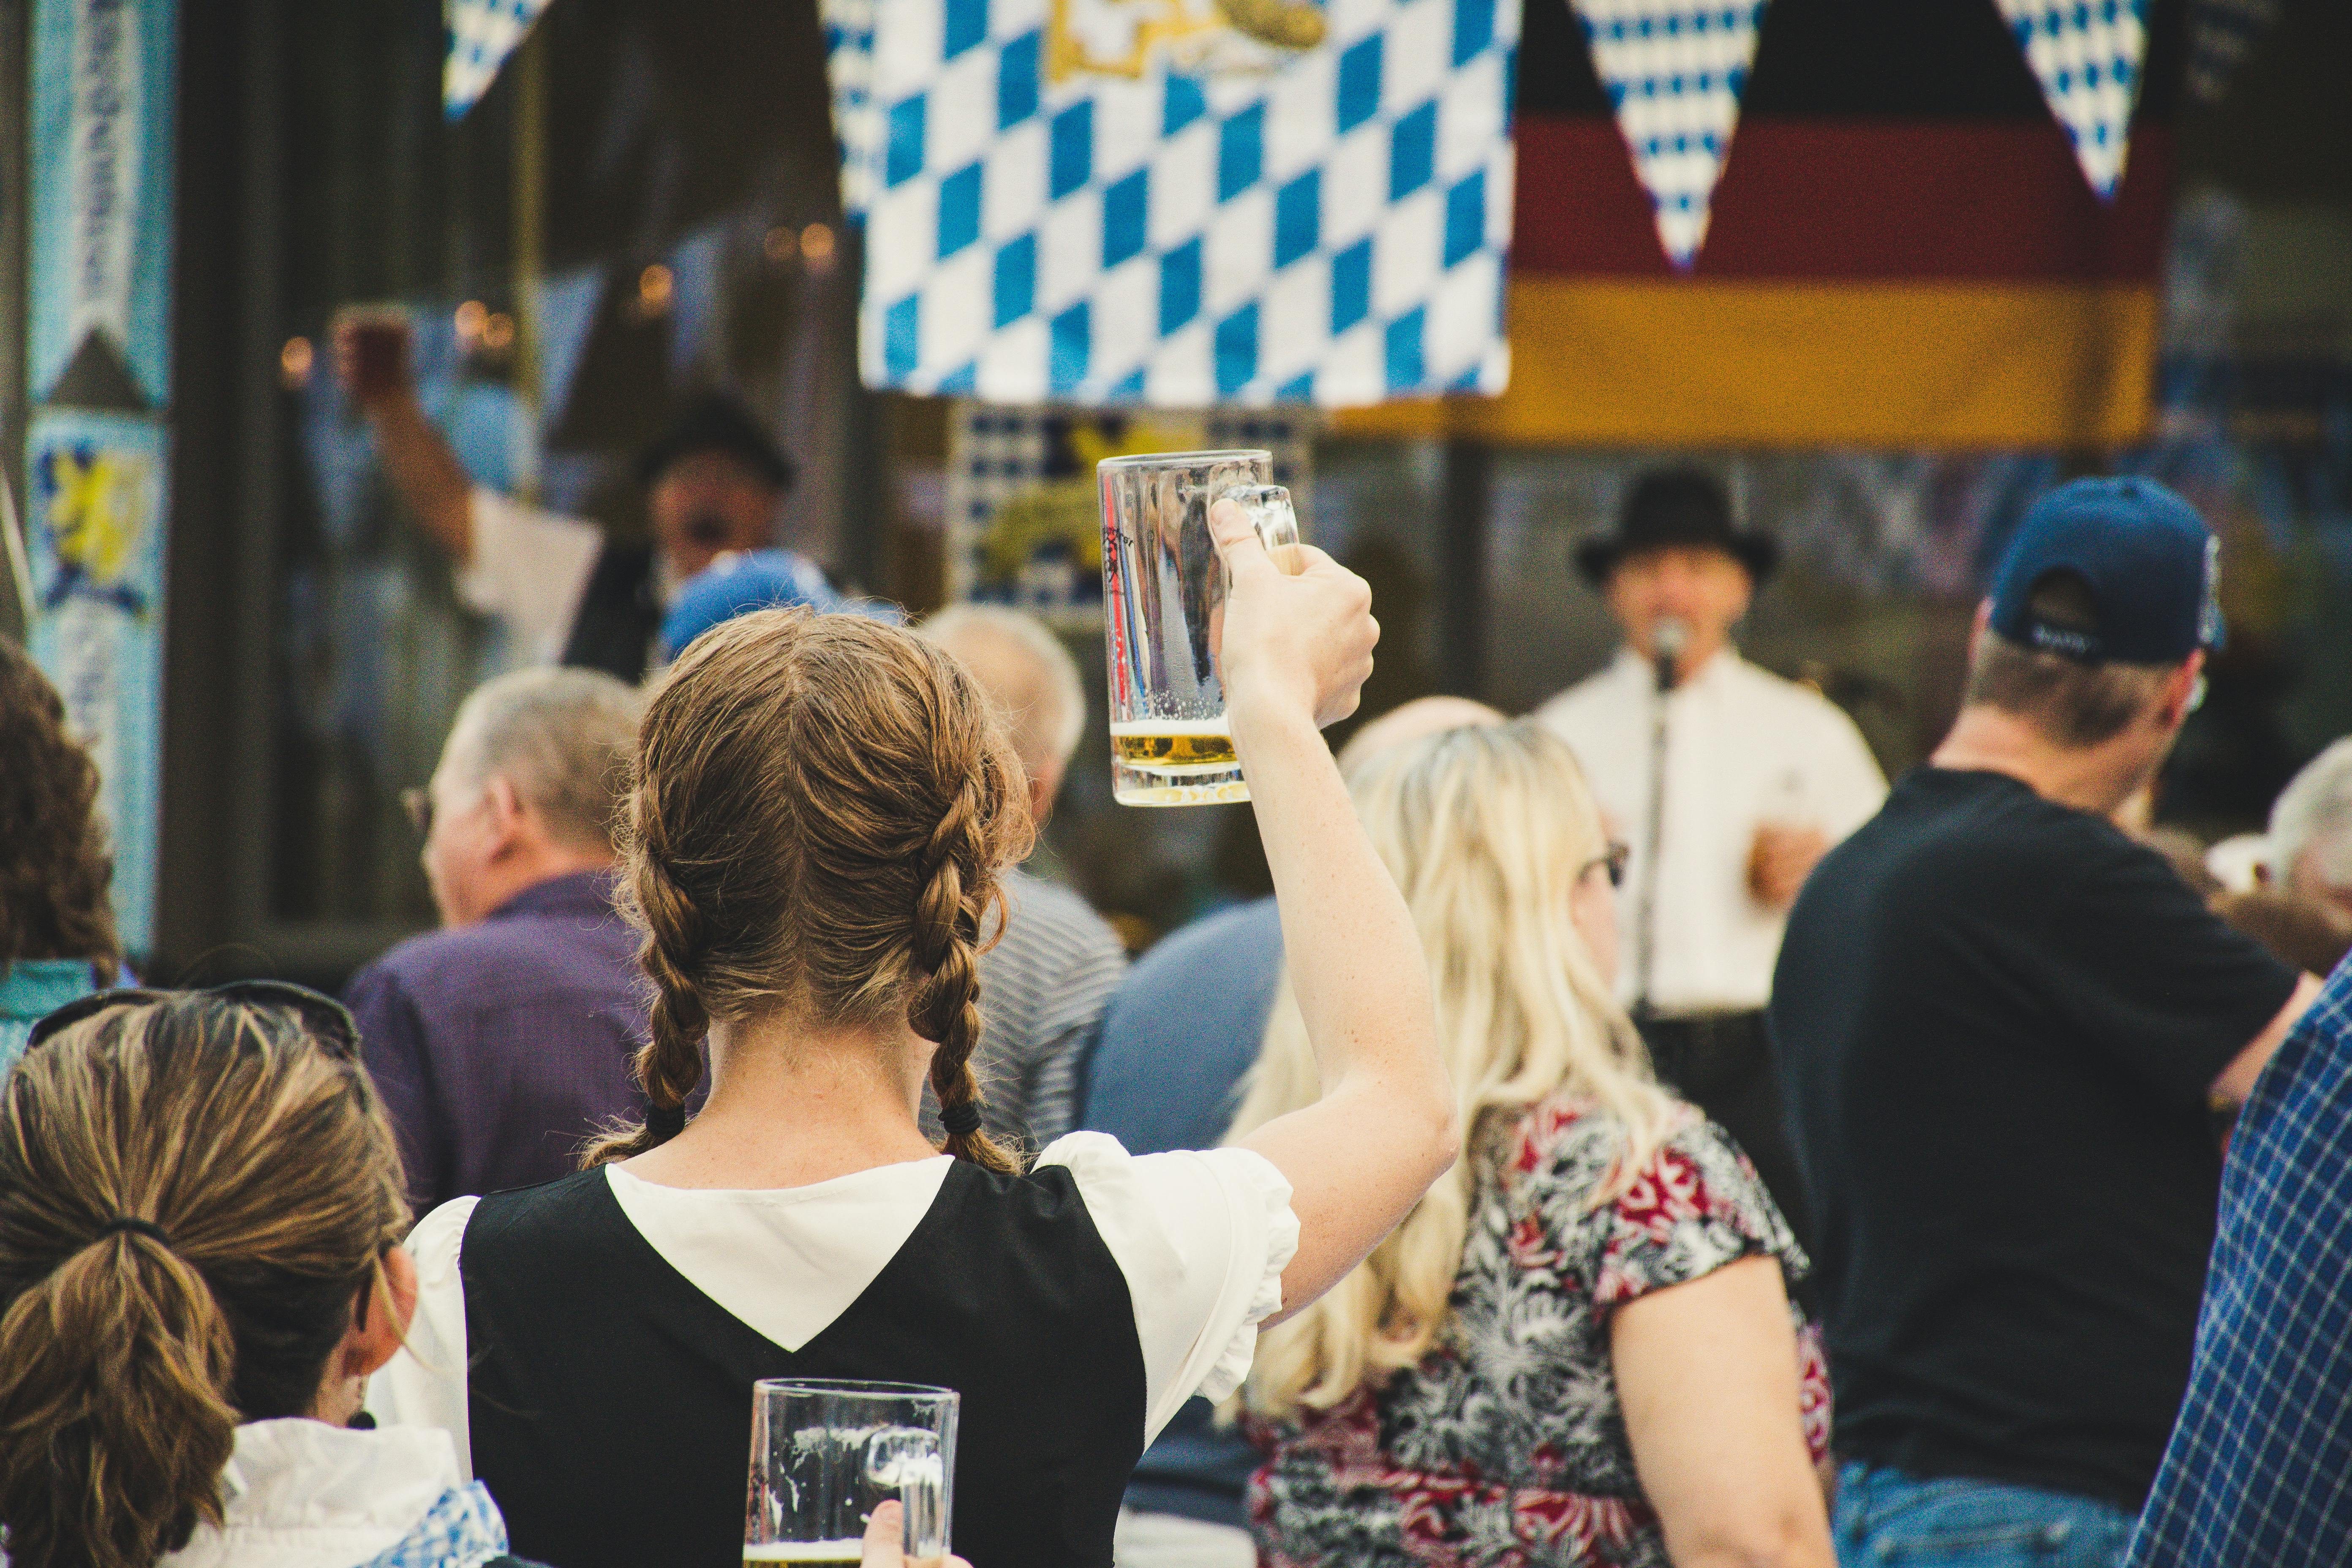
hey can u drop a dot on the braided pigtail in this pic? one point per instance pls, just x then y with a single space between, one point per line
946 958
669 1064
820 809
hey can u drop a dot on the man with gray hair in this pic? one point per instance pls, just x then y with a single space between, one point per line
501 1041
1044 984
2311 831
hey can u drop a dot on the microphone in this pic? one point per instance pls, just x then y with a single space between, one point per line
1667 640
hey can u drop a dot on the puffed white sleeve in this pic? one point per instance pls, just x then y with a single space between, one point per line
1202 1238
529 569
423 1384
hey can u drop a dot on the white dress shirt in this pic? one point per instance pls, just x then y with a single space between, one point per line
1744 748
529 571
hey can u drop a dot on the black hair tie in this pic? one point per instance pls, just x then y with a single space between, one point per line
665 1122
136 1226
961 1119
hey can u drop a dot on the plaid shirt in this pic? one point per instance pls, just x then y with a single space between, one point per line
2259 1470
463 1529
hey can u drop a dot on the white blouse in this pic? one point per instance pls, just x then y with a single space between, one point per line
1202 1238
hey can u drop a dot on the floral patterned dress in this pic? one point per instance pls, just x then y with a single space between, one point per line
1504 1447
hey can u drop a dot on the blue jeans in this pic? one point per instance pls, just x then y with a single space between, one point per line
1885 1517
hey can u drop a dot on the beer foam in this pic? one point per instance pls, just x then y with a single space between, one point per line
1219 726
806 1552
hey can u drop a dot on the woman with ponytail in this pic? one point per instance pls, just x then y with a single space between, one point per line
821 810
200 1206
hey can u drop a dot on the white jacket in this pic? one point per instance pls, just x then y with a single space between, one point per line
302 1494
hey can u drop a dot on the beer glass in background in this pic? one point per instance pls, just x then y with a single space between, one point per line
377 336
825 1455
1163 607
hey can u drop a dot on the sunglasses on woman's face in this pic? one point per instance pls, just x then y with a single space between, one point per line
1615 859
320 1016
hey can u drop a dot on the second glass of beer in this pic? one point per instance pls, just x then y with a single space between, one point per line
825 1455
1163 612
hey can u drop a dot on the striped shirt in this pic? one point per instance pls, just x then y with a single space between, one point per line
1041 989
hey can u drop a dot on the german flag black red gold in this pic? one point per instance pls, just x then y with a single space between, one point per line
1904 251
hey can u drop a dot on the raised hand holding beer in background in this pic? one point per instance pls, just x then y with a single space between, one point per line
1294 650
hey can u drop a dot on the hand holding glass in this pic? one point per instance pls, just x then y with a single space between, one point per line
825 1456
1164 589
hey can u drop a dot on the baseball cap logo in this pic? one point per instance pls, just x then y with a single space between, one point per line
2209 616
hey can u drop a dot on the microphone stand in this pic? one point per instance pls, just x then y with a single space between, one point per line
1667 642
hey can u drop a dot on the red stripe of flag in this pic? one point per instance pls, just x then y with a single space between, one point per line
1847 199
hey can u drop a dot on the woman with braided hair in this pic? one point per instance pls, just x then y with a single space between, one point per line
821 809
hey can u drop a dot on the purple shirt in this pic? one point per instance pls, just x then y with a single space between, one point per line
497 1047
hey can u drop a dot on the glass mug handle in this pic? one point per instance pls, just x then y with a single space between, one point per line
908 1460
1270 513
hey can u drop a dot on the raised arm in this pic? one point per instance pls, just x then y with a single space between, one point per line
422 465
1294 652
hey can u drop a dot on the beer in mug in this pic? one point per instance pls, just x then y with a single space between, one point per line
1163 612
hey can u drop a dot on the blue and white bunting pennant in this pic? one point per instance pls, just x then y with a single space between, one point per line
2086 55
482 33
1674 71
1179 203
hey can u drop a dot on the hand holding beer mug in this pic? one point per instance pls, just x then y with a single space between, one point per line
885 1539
827 1456
1164 591
371 350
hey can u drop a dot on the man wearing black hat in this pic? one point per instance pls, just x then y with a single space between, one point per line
566 594
2003 1027
1757 778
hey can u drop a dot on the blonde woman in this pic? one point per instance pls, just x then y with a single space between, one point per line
1578 1348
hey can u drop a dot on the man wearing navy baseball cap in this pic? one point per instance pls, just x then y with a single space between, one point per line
2003 1028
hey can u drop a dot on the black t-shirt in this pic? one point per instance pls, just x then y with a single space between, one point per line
1997 1020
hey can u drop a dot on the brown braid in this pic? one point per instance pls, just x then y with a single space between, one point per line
946 948
821 808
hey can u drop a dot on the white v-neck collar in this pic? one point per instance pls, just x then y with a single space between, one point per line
786 1261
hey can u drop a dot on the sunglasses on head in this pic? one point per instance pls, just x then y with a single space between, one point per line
322 1016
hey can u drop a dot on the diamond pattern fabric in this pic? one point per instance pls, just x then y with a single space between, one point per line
1674 71
1163 203
2086 55
482 33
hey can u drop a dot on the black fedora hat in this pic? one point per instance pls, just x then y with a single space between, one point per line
1670 509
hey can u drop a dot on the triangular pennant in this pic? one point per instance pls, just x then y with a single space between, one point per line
482 33
1674 70
2221 34
2086 55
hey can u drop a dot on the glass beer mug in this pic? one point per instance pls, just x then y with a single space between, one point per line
1164 589
825 1455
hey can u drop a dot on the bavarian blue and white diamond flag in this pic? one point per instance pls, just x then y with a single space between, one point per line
2086 55
1674 71
1179 203
482 33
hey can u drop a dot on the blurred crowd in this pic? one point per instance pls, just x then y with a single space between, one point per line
1632 1134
